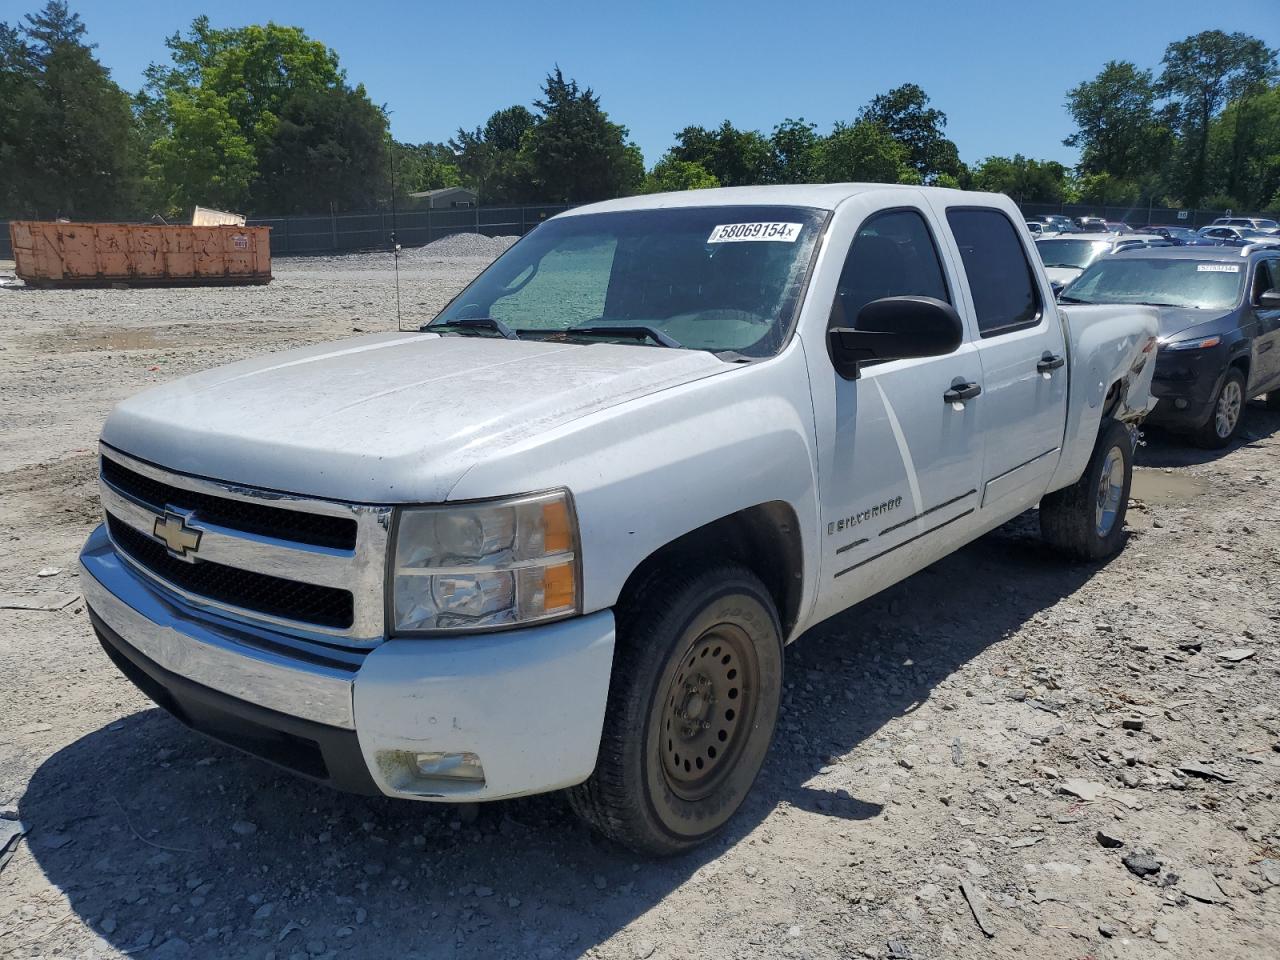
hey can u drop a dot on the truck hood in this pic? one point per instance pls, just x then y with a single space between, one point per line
388 418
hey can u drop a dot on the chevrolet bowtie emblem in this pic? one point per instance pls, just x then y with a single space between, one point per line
177 536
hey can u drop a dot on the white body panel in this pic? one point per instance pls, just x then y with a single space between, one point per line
652 444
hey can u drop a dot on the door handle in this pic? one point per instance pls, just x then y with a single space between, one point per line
961 391
1049 362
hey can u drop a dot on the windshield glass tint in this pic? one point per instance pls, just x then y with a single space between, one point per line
711 278
1069 253
1209 285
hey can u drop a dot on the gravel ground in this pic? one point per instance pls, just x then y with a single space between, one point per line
1081 761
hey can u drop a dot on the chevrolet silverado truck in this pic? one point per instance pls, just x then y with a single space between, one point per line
559 537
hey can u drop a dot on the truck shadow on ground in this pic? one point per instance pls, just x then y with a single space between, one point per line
1165 449
159 837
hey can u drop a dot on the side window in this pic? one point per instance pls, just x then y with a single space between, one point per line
1005 296
892 255
1266 278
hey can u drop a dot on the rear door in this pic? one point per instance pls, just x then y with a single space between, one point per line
1023 352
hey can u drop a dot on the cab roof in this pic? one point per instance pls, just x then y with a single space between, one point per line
823 196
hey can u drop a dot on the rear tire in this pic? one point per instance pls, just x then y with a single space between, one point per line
693 699
1228 411
1085 521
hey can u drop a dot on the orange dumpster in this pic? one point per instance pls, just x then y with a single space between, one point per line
100 254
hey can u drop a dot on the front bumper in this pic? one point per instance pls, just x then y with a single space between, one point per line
529 703
1186 383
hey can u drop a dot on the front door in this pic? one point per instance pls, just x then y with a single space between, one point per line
902 487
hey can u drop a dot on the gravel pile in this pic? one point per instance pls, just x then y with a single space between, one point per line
464 247
460 245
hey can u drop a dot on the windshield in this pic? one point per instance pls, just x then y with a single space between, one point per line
725 278
1207 285
1069 253
1265 224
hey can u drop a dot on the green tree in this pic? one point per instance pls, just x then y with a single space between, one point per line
425 166
488 158
795 151
1201 74
670 174
863 152
218 113
204 158
904 112
1118 128
67 137
575 152
329 144
1244 147
735 157
1023 179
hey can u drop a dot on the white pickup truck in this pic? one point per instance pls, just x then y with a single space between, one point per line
560 537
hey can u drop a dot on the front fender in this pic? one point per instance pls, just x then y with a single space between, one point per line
1108 345
648 471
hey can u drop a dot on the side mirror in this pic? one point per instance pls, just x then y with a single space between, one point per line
1057 286
1270 299
895 328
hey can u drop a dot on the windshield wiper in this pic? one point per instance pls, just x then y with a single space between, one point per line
1063 298
473 323
633 331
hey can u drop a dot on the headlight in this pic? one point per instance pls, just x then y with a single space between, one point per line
482 565
1202 344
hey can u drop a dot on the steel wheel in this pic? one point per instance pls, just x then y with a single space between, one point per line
1110 492
1227 412
709 703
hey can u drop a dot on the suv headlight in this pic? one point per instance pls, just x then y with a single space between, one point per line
482 565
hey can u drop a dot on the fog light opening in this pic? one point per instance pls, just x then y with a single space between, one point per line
450 766
1180 403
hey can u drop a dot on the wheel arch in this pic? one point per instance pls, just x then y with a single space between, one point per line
765 538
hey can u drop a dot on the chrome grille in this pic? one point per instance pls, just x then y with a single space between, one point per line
265 557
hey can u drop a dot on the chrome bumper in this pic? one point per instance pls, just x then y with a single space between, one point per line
278 671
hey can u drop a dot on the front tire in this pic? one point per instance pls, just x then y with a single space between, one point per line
1228 411
693 699
1085 521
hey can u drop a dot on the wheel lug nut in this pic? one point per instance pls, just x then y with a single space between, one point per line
706 725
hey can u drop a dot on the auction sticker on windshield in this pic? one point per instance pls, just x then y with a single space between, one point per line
739 232
1218 267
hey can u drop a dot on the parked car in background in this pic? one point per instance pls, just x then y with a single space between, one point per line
1035 228
1066 255
1117 226
1238 236
1178 236
1219 329
1092 225
1253 223
1055 223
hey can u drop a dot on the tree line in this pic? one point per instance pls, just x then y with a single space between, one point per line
263 119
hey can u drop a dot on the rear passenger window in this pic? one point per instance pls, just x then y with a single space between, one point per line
1005 296
892 255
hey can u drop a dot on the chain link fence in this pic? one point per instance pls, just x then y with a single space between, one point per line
349 232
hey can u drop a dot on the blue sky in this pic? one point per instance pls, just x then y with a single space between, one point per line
999 69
